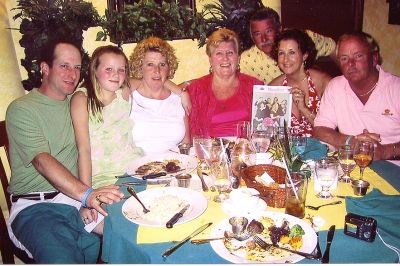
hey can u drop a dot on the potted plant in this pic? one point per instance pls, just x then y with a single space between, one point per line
137 21
42 19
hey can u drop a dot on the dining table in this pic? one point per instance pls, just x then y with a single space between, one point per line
127 242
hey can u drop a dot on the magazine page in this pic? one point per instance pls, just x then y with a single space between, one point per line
271 106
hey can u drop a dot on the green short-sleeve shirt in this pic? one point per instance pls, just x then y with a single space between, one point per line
36 124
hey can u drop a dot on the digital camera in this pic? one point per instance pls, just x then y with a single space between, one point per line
360 227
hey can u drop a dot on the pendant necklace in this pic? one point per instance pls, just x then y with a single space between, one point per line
368 92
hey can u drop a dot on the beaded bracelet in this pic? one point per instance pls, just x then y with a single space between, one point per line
85 196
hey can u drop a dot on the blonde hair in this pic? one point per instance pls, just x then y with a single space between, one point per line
94 103
222 35
153 44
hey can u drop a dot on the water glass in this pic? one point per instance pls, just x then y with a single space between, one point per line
326 172
298 144
261 141
296 192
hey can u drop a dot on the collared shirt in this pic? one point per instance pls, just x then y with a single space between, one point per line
256 63
341 108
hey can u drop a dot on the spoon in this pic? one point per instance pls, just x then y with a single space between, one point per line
133 193
316 208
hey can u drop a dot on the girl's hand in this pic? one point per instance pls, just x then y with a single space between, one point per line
88 215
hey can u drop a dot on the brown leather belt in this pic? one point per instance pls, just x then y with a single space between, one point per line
34 196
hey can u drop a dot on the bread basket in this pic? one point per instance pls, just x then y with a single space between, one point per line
274 196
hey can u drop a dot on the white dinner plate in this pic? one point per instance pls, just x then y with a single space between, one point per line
309 239
187 163
133 211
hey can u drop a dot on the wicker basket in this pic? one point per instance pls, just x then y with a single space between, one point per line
275 197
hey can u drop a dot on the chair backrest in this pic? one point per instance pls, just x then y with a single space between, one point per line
3 177
7 248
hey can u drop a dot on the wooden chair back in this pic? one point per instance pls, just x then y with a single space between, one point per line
7 247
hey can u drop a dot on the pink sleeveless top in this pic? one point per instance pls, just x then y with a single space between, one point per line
302 125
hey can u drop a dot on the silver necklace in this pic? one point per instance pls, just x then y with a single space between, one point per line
368 92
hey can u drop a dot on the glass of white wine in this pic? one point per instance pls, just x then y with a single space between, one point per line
326 171
363 154
347 163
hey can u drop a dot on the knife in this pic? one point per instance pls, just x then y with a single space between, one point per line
151 176
176 217
331 232
195 233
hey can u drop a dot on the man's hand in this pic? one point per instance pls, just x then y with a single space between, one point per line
108 195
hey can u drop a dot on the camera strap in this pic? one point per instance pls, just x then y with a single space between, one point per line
390 246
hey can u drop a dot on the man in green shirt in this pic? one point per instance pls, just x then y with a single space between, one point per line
265 25
46 192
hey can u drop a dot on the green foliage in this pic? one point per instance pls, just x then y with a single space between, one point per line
44 18
147 18
231 14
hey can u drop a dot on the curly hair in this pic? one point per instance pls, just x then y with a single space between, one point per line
222 35
305 43
92 85
152 44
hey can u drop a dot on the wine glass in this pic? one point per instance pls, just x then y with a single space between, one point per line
261 141
326 171
197 141
216 159
363 154
347 162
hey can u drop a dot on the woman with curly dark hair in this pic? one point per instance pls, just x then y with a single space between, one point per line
295 53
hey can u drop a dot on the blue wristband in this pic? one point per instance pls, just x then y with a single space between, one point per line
85 196
347 143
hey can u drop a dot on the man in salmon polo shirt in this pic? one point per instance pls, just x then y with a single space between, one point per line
363 103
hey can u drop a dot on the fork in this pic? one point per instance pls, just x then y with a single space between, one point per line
267 246
133 193
316 208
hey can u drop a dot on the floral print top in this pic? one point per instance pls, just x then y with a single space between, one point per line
302 126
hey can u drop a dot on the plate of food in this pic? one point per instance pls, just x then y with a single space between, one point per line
167 163
283 229
163 203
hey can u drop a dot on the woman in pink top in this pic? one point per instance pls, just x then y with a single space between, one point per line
224 97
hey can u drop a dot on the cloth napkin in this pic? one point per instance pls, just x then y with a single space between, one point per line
315 150
385 209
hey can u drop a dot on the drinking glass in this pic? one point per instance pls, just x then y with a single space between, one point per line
326 171
347 162
296 192
205 141
216 159
363 154
261 141
298 144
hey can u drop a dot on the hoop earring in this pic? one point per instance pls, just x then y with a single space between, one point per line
238 67
210 70
305 63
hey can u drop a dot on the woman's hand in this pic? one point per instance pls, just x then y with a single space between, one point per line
298 98
186 102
